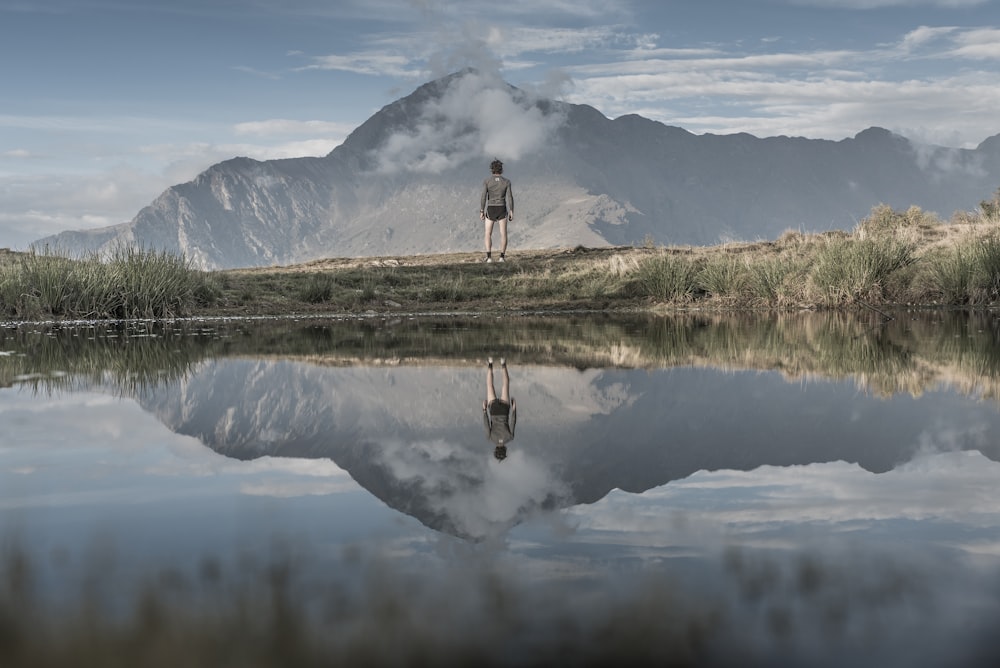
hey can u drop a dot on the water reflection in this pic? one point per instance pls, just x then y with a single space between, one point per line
400 434
390 402
822 485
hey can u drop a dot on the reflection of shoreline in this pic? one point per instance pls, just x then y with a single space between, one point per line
912 353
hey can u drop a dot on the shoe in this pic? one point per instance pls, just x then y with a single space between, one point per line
500 259
489 259
503 362
489 361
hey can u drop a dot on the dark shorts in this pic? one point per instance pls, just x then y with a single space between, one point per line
495 212
499 407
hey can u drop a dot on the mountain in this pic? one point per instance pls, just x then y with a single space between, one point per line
408 180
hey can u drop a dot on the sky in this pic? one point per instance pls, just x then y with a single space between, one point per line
106 103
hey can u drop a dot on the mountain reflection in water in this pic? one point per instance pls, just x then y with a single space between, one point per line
413 435
633 428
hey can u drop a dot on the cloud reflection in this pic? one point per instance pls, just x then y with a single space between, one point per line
466 491
945 499
88 448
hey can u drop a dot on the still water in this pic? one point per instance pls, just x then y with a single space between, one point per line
810 489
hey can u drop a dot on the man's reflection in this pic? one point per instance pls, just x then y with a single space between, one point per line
499 415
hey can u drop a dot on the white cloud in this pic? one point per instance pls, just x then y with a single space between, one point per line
954 488
291 489
48 201
822 94
17 153
372 63
256 72
476 116
922 36
980 44
284 126
457 41
520 40
477 494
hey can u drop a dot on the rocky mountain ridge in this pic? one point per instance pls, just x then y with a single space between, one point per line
408 180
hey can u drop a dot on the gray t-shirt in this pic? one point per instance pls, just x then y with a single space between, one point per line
499 419
497 191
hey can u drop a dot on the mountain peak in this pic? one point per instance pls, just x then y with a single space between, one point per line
875 134
408 180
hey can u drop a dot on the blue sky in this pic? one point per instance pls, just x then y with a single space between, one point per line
105 103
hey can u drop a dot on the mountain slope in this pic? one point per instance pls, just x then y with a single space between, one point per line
407 181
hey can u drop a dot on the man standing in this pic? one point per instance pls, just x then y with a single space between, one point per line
496 204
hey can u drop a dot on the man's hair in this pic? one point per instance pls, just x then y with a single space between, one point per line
500 452
496 166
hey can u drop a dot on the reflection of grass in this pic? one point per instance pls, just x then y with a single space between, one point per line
907 354
126 357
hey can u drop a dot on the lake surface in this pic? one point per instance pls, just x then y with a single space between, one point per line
799 489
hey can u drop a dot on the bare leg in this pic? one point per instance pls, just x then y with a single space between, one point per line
489 235
503 235
491 393
505 386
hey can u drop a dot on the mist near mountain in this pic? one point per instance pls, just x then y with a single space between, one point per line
408 181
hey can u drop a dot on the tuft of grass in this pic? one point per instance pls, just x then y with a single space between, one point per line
847 271
990 208
965 274
987 254
319 289
666 277
883 219
453 289
127 283
766 279
723 277
949 278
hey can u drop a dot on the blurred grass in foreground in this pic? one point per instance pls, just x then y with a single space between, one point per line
363 609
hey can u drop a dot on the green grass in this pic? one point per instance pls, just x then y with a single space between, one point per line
723 277
967 274
890 258
858 269
130 283
667 277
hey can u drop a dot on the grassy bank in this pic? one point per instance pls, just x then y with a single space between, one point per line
129 283
890 258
